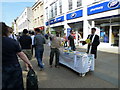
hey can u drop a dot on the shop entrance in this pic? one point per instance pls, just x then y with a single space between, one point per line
59 30
115 35
77 27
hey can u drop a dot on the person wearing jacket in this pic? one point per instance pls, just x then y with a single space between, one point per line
39 42
93 44
55 45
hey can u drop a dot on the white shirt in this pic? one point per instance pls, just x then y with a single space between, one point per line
32 37
13 36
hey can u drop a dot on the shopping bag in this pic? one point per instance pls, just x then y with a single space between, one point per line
32 81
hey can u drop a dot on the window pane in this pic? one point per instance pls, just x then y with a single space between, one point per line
79 3
55 9
70 4
60 5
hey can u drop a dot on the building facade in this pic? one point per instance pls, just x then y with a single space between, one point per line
25 20
81 15
15 26
38 15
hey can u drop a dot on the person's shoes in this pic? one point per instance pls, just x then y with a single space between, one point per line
57 66
50 66
41 69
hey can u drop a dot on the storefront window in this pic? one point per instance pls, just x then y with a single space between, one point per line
115 36
104 34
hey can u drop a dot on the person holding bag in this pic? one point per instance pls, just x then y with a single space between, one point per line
11 70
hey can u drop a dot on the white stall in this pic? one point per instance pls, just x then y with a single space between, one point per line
80 62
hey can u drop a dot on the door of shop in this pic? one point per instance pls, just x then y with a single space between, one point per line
115 35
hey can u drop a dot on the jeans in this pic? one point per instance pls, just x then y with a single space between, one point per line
56 52
39 56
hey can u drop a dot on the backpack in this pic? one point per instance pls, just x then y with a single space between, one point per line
32 81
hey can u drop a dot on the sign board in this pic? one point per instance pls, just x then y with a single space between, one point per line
74 15
102 7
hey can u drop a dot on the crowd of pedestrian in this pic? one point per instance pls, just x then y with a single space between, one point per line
30 45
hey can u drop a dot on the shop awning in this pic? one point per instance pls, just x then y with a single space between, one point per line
41 28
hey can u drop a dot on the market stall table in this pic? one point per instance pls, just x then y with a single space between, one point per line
80 62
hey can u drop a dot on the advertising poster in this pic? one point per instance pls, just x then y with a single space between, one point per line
68 31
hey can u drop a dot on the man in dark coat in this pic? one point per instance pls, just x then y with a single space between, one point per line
94 42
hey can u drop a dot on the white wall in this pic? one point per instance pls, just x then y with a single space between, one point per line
24 21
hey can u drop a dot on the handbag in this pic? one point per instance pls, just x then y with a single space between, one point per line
32 81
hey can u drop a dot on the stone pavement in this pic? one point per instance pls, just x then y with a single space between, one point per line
104 47
104 76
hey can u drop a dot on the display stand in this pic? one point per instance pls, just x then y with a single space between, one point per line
78 61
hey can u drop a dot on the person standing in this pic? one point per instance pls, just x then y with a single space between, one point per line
26 44
11 70
39 42
71 41
94 42
55 45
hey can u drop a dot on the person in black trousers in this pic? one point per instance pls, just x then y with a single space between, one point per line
71 41
94 44
55 45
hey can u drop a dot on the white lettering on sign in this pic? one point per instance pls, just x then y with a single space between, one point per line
97 8
59 19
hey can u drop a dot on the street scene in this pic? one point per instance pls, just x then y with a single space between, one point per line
60 44
63 77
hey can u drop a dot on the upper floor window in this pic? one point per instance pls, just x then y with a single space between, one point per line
60 6
46 1
47 12
51 11
70 4
79 3
56 9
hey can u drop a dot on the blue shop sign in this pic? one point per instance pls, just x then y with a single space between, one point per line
59 19
74 15
52 21
47 23
106 6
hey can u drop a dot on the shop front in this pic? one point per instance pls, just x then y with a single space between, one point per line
77 27
58 29
106 17
75 24
55 25
109 30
